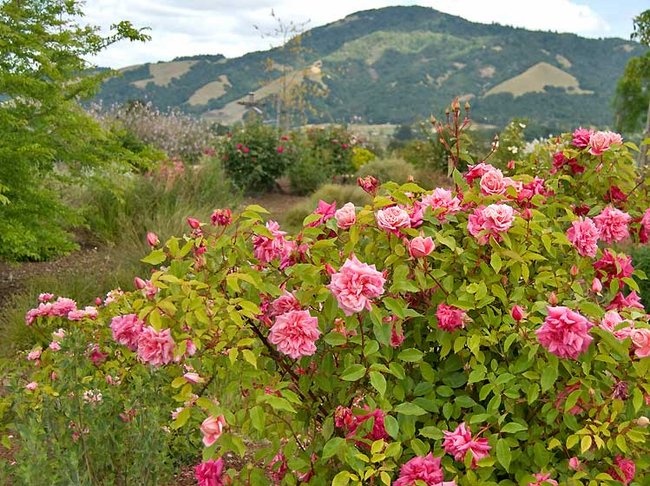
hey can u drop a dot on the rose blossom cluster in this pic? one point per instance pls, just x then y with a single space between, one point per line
153 347
613 266
442 202
345 419
355 285
565 333
277 247
640 337
460 441
425 469
583 235
613 224
450 318
61 307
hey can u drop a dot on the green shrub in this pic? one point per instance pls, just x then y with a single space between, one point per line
641 261
308 173
396 170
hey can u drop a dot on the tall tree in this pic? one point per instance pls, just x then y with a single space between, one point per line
47 138
632 99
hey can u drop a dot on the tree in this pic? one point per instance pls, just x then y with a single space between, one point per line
49 142
632 99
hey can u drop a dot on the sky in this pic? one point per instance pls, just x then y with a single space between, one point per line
235 27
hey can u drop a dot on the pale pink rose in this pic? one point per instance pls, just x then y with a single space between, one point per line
55 346
420 247
492 183
476 226
574 463
450 318
498 217
610 320
212 428
355 284
426 469
88 312
346 216
58 335
45 297
393 218
641 341
583 234
613 224
565 333
155 347
210 473
295 333
31 386
62 306
581 137
459 442
614 138
126 330
442 202
599 142
596 286
192 377
543 479
34 354
624 470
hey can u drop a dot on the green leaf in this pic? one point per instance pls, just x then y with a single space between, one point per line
378 382
257 418
156 257
392 426
549 375
495 262
411 355
342 478
181 418
503 453
354 372
513 428
408 408
332 447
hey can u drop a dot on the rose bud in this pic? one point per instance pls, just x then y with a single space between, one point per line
152 239
194 223
420 247
517 313
596 286
552 299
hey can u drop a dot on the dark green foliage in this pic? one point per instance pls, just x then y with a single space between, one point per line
254 156
396 170
641 261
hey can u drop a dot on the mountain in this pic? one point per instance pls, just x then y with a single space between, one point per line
397 65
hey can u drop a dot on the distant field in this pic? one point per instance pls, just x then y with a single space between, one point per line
163 72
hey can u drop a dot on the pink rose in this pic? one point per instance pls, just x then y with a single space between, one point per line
155 347
212 428
355 284
613 266
596 286
583 234
477 171
325 211
426 469
420 247
641 341
45 297
34 354
599 142
152 239
295 333
492 182
442 202
62 307
393 218
31 386
346 216
498 217
581 137
126 330
285 303
621 301
613 224
624 470
565 333
543 479
450 318
459 442
192 377
369 184
574 463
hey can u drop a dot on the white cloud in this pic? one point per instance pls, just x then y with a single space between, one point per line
191 27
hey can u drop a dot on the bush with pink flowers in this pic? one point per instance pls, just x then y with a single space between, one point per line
487 334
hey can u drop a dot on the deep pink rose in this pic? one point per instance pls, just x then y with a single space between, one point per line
126 330
155 347
326 212
285 303
420 247
613 266
477 171
583 234
268 249
450 318
442 202
644 230
278 468
620 301
565 333
613 224
212 428
581 137
641 342
369 184
209 473
459 442
355 284
346 216
221 217
492 182
393 218
295 333
517 312
623 470
426 469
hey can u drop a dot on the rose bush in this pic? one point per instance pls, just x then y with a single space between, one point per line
448 337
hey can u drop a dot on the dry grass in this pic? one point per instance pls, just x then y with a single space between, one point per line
163 72
210 91
536 78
